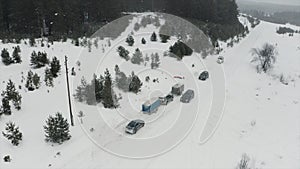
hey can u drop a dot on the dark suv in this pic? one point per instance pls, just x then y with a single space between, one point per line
134 126
204 76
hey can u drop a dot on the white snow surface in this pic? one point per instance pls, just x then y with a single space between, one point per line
273 142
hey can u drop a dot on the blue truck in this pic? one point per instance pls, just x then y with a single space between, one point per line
151 105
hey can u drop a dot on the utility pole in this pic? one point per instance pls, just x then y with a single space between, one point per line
68 88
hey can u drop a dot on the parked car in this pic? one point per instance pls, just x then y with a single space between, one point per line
220 60
134 126
177 89
151 106
167 99
187 96
204 76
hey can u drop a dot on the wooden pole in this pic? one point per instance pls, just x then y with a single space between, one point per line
68 88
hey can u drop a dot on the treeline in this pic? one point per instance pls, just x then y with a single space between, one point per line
73 18
277 17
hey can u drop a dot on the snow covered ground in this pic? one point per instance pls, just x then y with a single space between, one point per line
261 115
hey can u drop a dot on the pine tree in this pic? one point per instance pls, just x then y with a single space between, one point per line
121 79
135 84
36 80
48 78
153 37
18 49
90 94
55 67
32 41
10 90
16 55
123 53
130 40
12 133
73 73
12 95
5 108
98 82
6 59
107 91
29 82
137 57
57 129
39 59
17 100
143 41
76 42
155 61
81 93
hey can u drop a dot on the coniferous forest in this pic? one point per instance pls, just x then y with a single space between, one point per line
75 18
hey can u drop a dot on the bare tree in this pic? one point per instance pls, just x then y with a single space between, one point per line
266 57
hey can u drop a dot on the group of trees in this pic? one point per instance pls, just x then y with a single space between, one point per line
100 90
10 95
7 59
137 56
33 81
73 17
56 130
127 84
39 60
284 30
180 49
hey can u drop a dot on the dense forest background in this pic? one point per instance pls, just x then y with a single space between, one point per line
75 18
